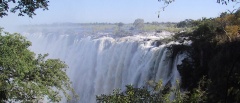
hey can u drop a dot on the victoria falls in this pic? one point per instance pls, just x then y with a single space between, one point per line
86 51
101 64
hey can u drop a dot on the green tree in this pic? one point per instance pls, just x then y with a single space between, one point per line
138 24
25 7
185 23
120 25
154 93
25 78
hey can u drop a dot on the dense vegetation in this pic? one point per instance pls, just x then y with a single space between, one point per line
213 55
154 93
25 78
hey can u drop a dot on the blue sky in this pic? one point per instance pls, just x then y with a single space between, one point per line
90 11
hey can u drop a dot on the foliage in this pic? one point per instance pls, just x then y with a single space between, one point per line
214 53
24 78
154 93
185 23
25 7
120 24
138 24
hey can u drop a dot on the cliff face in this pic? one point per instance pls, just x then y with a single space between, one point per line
213 54
219 64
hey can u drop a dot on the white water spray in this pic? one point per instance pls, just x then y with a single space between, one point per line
97 66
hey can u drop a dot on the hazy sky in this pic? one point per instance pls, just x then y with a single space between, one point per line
90 11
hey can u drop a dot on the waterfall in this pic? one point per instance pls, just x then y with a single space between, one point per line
99 65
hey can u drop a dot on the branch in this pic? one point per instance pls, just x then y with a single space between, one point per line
228 77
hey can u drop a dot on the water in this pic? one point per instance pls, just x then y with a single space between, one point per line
99 65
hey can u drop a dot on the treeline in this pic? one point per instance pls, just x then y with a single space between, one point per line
211 71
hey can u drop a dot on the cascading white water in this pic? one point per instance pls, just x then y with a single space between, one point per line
97 66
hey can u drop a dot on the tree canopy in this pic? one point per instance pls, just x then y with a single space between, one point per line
138 24
24 7
154 93
25 78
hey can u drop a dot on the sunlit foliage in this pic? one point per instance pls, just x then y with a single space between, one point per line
154 93
26 78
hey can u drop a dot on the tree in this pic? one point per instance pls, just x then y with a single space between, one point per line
120 24
138 24
25 78
25 7
185 23
155 93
